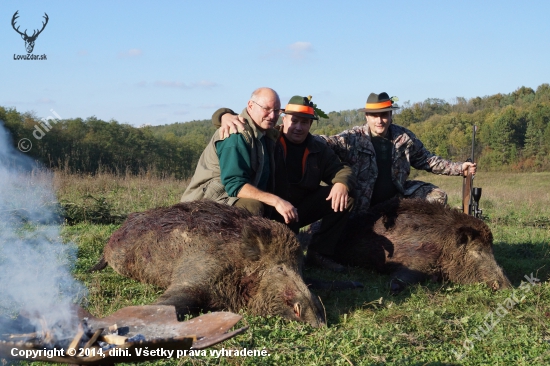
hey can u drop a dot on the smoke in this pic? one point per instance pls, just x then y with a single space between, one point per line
35 264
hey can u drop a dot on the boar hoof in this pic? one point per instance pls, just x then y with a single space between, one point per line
396 286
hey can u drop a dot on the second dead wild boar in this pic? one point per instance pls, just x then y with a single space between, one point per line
414 240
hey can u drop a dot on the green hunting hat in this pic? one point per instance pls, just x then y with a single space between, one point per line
301 107
377 103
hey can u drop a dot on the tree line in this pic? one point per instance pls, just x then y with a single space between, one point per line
513 134
89 145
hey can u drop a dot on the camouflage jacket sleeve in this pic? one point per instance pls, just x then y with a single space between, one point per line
340 144
422 159
354 147
217 116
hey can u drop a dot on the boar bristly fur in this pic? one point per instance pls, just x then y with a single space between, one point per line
211 256
414 240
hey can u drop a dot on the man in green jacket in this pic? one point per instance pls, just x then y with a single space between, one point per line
302 162
239 170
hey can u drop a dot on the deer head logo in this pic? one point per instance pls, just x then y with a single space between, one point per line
29 40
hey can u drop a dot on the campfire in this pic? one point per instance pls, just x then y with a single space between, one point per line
120 337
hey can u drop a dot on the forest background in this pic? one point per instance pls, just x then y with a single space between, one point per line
513 135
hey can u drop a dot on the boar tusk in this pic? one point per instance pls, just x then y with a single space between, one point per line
298 310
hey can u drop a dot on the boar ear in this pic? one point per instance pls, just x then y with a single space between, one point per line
466 234
253 242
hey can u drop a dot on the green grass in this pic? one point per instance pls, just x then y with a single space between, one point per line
424 325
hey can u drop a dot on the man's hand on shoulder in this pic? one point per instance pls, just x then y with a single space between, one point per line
339 196
231 124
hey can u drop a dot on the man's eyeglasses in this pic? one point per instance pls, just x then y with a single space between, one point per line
267 110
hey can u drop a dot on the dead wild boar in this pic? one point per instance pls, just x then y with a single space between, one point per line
211 256
414 240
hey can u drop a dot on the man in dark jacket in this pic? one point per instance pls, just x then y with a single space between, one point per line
302 162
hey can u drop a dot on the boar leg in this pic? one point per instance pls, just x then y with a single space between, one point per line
190 285
404 276
184 299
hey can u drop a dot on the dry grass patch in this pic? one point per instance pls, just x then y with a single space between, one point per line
108 198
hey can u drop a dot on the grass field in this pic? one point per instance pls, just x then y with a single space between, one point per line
428 324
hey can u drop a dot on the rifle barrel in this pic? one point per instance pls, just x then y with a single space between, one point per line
473 142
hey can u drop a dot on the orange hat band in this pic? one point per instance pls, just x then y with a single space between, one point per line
299 108
378 105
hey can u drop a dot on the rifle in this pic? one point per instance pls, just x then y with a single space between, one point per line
471 195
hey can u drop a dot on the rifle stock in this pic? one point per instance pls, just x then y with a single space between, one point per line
467 194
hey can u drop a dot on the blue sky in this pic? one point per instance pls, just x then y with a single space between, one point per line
162 62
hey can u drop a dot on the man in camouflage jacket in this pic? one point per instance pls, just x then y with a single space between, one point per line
403 149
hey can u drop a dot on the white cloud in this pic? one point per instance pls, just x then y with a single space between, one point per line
170 84
300 50
133 52
204 84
